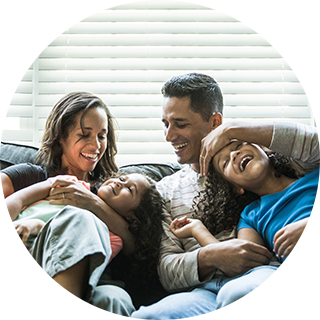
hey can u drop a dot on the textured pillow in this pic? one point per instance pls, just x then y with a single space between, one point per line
13 153
155 171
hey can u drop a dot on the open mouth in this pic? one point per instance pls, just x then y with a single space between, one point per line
180 146
90 156
244 162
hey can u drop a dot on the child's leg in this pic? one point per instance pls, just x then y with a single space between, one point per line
62 295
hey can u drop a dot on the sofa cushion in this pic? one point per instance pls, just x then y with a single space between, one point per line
13 153
155 171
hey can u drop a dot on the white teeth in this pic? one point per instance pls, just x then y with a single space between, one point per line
90 155
180 145
244 162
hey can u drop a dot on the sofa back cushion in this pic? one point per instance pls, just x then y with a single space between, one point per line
13 153
155 171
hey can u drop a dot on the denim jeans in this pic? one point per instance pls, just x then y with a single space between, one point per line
207 297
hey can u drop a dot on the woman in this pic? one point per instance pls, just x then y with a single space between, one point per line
79 140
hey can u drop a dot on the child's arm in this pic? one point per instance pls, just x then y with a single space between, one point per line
75 194
26 227
250 235
16 201
185 228
286 238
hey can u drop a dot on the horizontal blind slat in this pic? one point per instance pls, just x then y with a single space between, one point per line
125 54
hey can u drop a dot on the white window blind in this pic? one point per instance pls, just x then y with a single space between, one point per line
16 70
126 53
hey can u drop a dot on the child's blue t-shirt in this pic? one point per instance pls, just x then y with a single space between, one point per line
272 212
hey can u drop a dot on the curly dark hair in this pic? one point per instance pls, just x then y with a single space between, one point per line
147 229
204 92
219 207
139 270
61 118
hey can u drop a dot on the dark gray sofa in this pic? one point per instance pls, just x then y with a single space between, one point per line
12 153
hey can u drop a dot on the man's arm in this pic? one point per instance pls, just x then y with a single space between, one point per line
255 255
186 227
178 260
232 257
300 143
297 141
177 265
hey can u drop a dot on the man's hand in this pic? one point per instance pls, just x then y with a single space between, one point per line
218 138
232 257
211 144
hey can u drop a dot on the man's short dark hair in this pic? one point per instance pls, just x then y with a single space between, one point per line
204 92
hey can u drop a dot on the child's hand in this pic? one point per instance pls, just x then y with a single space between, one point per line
27 227
184 227
286 238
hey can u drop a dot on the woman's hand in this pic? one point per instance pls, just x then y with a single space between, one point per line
287 237
66 192
27 227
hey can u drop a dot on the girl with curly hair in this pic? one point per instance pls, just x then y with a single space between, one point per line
247 182
133 196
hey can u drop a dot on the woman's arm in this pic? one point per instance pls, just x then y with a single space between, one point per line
16 201
75 194
116 224
7 185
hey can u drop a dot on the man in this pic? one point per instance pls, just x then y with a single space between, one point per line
192 108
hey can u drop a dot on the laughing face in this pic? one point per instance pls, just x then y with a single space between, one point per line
243 164
124 194
184 129
83 149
